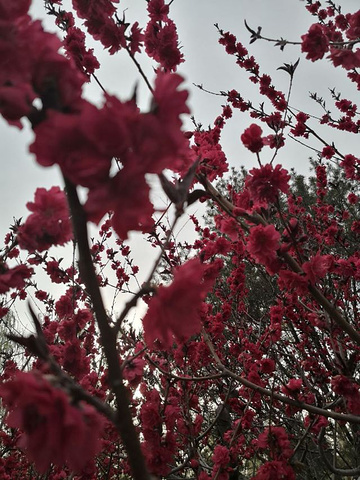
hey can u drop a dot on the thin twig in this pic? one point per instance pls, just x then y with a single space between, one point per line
146 288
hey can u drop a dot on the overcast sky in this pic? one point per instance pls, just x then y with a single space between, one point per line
206 63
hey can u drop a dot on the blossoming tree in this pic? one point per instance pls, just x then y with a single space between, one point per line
215 386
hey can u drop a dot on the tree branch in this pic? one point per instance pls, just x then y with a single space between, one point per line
277 396
257 219
123 420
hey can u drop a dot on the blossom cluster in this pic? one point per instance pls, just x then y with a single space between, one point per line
328 37
174 311
49 224
54 430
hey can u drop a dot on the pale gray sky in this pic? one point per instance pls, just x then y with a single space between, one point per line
206 63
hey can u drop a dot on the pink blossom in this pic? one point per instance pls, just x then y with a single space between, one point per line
265 183
100 24
127 196
315 43
345 58
170 102
3 311
221 456
228 226
56 274
292 387
134 370
136 38
158 10
353 32
10 11
276 439
49 224
252 139
207 147
267 365
317 267
79 144
13 277
328 152
263 242
54 430
349 390
149 413
64 307
229 41
351 166
174 310
75 360
352 198
161 44
275 470
15 102
74 45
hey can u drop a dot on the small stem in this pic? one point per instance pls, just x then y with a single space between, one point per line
146 288
281 41
140 70
183 378
98 82
284 116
